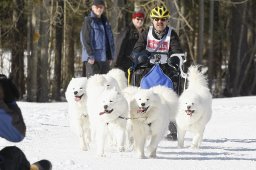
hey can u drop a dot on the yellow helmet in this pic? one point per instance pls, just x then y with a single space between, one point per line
159 12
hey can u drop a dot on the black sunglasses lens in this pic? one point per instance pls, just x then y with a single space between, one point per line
162 19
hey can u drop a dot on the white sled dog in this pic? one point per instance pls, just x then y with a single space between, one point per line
97 83
129 93
151 112
119 76
109 118
78 117
195 108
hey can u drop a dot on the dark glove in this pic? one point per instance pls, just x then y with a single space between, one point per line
143 57
140 58
174 62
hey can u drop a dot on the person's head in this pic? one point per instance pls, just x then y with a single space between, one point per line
8 91
138 19
159 16
98 7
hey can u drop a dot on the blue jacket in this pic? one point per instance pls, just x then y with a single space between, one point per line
12 126
97 39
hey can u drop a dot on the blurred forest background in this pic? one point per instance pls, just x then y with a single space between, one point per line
40 47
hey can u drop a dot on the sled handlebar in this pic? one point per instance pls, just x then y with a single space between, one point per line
182 59
181 56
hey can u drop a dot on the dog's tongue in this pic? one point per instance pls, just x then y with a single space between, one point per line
189 112
141 110
101 113
77 98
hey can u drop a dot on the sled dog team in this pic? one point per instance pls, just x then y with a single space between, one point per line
103 110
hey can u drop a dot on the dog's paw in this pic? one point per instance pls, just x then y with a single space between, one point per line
180 146
102 155
193 147
141 156
84 148
152 155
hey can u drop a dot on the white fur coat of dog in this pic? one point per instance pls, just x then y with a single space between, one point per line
78 117
151 111
195 108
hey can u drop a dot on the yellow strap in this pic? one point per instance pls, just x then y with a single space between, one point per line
129 76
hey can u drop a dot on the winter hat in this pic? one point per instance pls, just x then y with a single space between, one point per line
139 14
98 2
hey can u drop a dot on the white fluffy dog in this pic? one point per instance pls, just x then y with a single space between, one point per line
98 83
129 93
119 75
195 108
109 117
151 112
78 118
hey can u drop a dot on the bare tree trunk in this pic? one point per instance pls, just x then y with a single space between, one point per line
30 70
43 89
174 22
119 21
18 48
201 32
241 52
238 48
186 37
58 51
68 65
210 59
252 14
32 81
217 59
51 58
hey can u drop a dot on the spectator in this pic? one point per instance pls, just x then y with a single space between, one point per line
127 39
97 41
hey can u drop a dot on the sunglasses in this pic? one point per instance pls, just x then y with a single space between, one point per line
161 19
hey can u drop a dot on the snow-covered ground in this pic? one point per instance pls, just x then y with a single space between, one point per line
229 141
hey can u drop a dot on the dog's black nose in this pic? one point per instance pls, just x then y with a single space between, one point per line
105 106
142 104
75 92
188 107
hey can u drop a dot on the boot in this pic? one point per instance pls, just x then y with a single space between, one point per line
172 136
173 132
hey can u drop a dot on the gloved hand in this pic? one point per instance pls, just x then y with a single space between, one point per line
174 62
134 57
140 58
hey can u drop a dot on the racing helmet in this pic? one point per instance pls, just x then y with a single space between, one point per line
160 12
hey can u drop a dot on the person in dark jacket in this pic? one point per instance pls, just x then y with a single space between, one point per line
13 129
158 38
127 39
12 126
97 41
